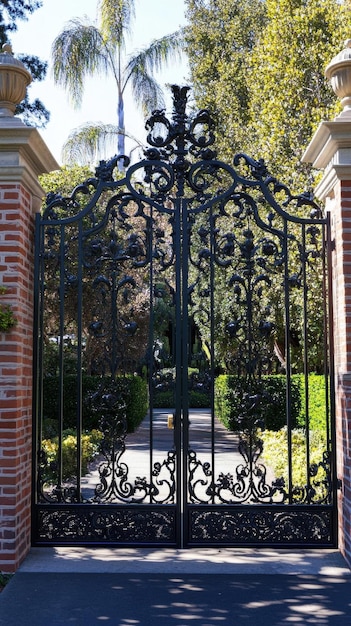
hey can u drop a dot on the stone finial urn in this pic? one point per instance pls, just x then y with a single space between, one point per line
338 72
14 80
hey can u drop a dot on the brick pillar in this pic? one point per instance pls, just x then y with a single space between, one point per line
23 156
330 150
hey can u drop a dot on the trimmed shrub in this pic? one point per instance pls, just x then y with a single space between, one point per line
166 400
136 401
163 399
199 400
316 402
240 403
133 390
90 447
275 454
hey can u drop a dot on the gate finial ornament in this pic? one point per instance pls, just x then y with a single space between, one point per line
180 100
190 134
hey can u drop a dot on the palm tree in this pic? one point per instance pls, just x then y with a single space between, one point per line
83 49
92 141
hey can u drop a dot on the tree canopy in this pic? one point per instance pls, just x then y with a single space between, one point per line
13 10
33 112
259 66
220 39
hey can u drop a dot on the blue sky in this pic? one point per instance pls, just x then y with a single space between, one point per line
154 18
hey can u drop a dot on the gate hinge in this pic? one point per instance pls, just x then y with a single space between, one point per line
339 484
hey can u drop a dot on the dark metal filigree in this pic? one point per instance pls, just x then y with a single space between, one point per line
114 484
257 526
108 525
182 262
247 482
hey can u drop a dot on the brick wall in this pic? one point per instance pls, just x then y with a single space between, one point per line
342 336
16 274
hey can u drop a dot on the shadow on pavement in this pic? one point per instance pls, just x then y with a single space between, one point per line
175 600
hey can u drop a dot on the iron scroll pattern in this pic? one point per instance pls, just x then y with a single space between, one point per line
253 261
237 223
252 526
118 526
232 219
111 253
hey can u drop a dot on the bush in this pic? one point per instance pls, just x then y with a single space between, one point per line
50 428
7 318
239 404
163 399
199 400
4 579
133 390
136 401
90 446
275 453
166 400
316 402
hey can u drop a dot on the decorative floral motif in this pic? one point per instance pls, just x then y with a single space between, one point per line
181 222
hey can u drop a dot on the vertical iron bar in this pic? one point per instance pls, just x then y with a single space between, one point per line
151 344
212 346
185 228
332 431
288 358
61 353
79 417
305 360
178 367
328 329
114 324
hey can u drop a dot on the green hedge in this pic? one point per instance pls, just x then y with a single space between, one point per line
166 400
316 402
265 399
229 396
275 453
133 391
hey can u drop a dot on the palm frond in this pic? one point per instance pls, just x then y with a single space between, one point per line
146 91
116 18
77 52
92 142
141 66
160 52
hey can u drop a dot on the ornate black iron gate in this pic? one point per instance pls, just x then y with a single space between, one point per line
201 287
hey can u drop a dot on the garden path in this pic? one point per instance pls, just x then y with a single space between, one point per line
137 454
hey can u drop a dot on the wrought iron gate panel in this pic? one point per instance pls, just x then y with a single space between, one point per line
182 269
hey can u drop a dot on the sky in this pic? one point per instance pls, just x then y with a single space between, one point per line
154 18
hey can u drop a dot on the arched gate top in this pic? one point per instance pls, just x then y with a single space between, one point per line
181 163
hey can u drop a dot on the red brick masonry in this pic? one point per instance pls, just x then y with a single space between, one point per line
16 274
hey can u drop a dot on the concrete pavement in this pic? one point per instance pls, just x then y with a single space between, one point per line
209 587
205 587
